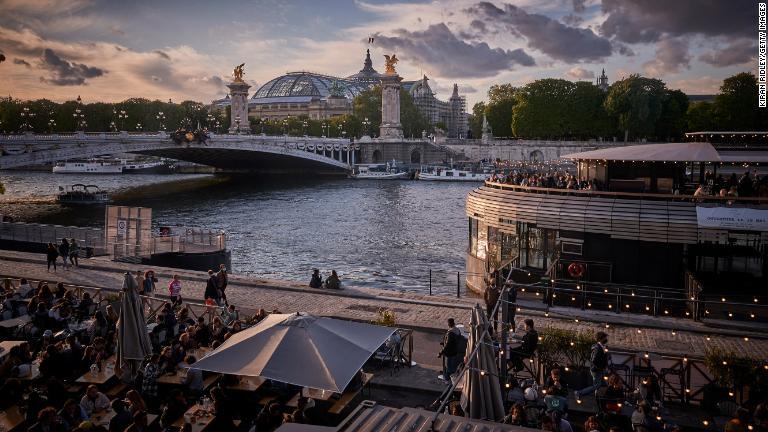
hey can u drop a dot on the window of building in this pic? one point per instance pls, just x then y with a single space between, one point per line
571 248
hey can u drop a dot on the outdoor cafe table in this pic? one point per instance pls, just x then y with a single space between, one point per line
11 418
247 384
177 378
202 418
100 377
103 418
14 322
324 395
5 347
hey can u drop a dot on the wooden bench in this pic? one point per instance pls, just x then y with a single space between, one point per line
348 396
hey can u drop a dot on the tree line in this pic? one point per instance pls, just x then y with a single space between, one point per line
632 109
46 116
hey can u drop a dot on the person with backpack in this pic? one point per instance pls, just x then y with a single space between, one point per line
598 359
452 352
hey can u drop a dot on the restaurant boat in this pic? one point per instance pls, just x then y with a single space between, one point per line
451 174
90 166
388 171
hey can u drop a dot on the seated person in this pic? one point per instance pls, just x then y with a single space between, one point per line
529 343
643 416
174 409
333 281
555 401
72 414
94 401
317 280
555 380
84 307
194 378
612 396
515 393
122 418
47 421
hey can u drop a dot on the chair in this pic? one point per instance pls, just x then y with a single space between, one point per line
393 351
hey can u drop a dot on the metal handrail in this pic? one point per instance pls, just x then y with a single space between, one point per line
611 194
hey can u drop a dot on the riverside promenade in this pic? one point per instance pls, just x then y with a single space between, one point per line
427 314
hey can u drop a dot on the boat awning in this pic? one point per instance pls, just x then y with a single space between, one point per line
668 152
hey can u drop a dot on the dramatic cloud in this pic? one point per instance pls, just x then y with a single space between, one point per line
579 74
634 21
738 52
557 40
579 6
572 20
438 48
22 62
67 73
671 56
162 54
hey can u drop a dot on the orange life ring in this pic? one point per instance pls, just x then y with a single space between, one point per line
576 270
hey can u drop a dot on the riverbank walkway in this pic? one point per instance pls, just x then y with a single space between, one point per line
664 336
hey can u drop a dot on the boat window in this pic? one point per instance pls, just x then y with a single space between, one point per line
462 174
449 173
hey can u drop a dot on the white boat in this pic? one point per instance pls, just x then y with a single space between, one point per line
452 174
80 194
91 166
386 171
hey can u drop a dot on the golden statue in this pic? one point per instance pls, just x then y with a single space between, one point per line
238 73
390 64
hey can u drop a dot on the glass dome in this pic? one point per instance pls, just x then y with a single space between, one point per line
306 84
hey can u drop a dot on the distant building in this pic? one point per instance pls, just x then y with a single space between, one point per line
602 81
321 97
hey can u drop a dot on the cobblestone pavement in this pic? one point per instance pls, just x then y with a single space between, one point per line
411 310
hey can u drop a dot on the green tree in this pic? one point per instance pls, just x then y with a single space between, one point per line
636 103
587 114
476 119
735 108
498 111
672 122
542 108
700 117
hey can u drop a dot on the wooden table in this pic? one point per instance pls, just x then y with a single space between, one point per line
322 395
5 347
178 379
201 422
11 418
247 384
14 322
102 376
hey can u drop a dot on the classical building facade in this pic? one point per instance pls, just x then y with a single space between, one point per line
321 97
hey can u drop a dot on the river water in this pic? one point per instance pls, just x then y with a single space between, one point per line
383 234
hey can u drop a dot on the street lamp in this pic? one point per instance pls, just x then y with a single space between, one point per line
366 123
138 127
261 122
51 125
112 126
27 115
304 125
285 126
217 125
325 129
123 115
209 120
161 119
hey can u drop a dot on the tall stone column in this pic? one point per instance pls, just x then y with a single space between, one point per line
390 107
238 91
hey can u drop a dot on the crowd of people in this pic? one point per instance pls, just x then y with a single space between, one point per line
745 185
552 178
71 334
67 250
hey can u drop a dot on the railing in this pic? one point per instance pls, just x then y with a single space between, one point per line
626 195
92 238
194 241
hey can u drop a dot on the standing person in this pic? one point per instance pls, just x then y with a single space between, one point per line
491 296
599 365
212 288
528 346
451 350
140 281
174 290
64 252
51 254
149 283
74 253
222 279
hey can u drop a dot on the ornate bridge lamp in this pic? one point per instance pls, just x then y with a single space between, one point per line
138 127
285 126
366 125
161 119
26 116
209 120
304 125
79 117
51 125
112 126
122 116
325 129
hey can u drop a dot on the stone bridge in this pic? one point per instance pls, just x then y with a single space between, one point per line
257 153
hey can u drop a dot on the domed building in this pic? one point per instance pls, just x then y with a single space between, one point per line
320 97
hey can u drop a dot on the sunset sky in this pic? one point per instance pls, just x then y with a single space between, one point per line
108 50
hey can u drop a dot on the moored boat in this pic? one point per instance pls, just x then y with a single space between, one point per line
90 166
388 171
80 194
451 174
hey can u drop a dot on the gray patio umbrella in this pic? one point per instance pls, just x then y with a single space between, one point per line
481 396
300 349
132 337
